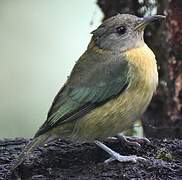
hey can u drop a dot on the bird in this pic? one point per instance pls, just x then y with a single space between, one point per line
109 87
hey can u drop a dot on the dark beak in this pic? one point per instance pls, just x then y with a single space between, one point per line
147 20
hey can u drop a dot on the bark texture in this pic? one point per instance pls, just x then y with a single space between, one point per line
163 118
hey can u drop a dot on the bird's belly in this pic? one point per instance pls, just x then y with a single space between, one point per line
113 117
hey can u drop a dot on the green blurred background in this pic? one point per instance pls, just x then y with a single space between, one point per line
40 40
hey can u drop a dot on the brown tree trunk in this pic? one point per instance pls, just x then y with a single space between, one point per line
163 118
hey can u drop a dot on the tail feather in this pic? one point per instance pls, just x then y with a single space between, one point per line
38 141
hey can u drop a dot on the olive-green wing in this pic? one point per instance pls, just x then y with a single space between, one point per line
95 79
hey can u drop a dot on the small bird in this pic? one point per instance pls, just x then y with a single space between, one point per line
110 87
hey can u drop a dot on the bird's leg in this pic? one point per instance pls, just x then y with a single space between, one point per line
116 156
133 141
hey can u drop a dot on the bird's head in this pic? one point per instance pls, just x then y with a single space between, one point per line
122 32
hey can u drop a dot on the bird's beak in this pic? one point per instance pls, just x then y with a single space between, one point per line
147 20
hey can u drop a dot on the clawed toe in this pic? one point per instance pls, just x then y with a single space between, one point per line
140 140
114 156
133 141
121 158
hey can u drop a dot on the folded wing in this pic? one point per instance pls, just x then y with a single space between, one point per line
94 80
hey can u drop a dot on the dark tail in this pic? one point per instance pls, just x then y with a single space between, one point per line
38 141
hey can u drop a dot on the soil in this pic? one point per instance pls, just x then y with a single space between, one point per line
85 161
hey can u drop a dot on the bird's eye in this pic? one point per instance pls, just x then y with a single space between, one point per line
121 30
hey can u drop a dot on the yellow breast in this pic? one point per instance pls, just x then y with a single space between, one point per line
143 67
118 114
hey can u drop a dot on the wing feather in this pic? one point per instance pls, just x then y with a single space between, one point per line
94 80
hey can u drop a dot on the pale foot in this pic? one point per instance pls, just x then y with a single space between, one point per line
116 156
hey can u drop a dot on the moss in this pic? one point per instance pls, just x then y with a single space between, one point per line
164 154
